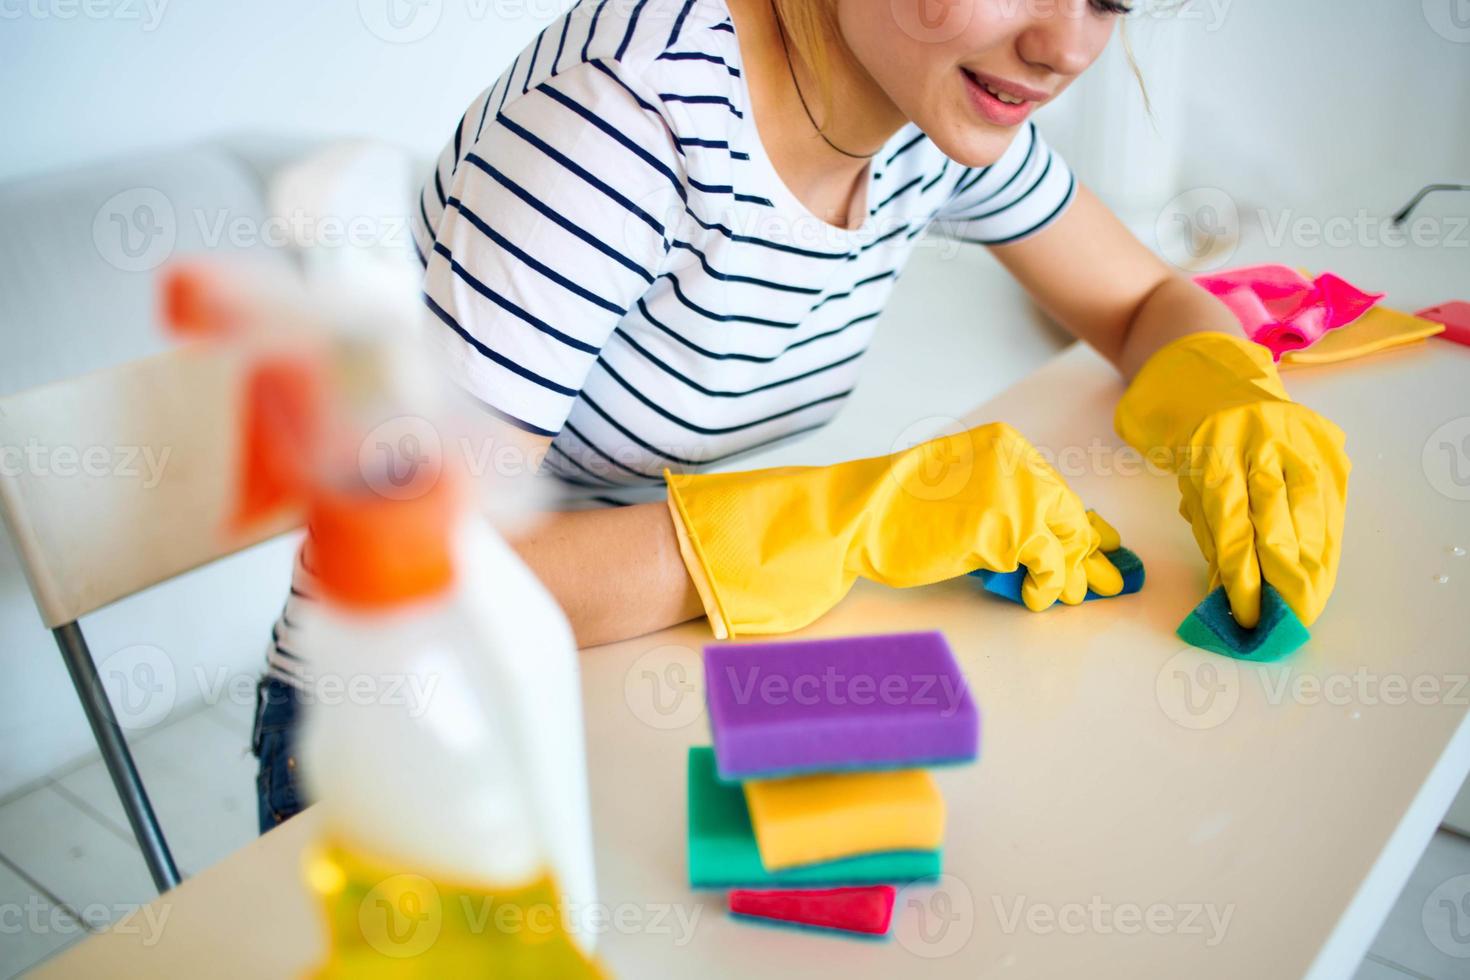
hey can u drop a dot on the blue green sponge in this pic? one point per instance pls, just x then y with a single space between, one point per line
723 852
1007 585
1211 626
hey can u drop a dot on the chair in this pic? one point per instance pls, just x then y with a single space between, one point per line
89 534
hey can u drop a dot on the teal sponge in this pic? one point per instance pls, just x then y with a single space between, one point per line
1212 627
723 851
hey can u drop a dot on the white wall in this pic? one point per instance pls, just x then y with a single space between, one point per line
1319 106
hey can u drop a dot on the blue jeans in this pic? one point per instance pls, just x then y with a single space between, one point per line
277 724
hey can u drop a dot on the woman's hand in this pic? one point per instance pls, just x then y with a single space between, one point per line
1263 479
772 550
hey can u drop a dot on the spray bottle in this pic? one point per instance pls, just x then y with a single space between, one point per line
449 768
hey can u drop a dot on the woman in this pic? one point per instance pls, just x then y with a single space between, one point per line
661 239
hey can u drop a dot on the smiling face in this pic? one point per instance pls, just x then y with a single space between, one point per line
969 72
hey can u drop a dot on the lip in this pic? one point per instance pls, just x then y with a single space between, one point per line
993 109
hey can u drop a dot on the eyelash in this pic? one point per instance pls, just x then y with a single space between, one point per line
1112 7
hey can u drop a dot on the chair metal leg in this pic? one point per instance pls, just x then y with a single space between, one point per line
115 753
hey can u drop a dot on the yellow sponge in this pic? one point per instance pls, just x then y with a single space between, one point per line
808 819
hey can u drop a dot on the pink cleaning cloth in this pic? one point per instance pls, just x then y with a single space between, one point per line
1281 309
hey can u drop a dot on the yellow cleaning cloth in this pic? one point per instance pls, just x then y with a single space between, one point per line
810 819
1378 329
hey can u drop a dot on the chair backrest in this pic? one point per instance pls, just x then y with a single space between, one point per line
118 480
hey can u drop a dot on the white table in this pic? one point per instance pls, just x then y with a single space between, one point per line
1132 793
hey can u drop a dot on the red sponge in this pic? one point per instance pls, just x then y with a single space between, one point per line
867 910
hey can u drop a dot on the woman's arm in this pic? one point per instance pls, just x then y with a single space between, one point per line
1099 282
615 572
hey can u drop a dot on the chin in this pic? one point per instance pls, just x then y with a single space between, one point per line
971 144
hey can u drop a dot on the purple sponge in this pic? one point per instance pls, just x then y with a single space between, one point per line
862 702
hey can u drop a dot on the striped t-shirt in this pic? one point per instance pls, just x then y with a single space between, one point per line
616 264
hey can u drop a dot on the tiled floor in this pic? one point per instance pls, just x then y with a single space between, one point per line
68 863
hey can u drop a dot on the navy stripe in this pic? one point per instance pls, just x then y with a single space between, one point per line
702 100
531 68
723 25
1067 199
1030 152
642 102
484 228
546 212
943 169
889 199
438 187
1025 194
605 482
521 314
724 317
495 356
632 26
904 149
775 246
647 355
713 59
566 22
891 273
594 447
572 167
751 358
711 430
628 144
592 29
679 24
748 280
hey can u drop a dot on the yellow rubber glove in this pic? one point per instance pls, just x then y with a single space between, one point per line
1263 479
771 550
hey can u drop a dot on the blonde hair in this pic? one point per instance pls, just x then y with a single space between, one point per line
810 26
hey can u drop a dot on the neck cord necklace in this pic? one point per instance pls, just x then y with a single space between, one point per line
781 29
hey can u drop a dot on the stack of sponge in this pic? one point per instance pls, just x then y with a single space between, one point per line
813 802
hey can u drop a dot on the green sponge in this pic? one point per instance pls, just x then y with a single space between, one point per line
723 851
1212 627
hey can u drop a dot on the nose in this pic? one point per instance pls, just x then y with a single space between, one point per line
1064 39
